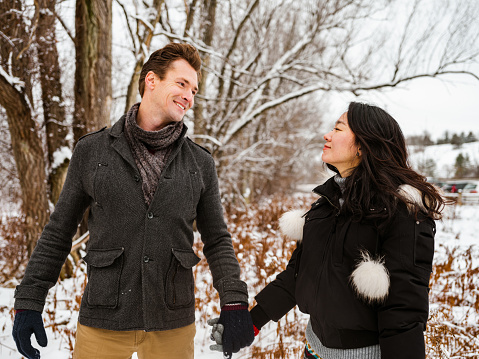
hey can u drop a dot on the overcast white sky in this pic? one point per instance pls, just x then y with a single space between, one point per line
450 103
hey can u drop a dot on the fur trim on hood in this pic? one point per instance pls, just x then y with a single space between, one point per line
291 224
413 197
370 279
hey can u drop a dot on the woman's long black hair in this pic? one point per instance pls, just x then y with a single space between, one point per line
383 168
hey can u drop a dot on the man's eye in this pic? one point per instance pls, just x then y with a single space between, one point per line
182 84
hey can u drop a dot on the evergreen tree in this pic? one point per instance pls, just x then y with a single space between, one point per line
471 137
457 141
462 165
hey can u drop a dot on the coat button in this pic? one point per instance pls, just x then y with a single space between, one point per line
146 259
137 178
150 215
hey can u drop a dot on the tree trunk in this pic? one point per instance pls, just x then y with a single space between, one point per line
208 32
15 97
145 39
93 94
28 155
52 98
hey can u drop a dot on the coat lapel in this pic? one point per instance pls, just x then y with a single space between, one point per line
120 144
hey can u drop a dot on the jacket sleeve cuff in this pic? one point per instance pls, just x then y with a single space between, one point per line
275 301
408 344
30 297
232 291
259 317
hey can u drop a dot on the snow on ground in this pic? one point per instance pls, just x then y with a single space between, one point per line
444 157
458 229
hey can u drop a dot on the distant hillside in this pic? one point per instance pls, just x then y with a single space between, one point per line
439 160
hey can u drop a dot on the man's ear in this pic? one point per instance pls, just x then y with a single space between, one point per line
150 80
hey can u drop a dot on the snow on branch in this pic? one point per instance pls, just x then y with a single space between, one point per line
144 21
248 116
60 155
15 82
206 137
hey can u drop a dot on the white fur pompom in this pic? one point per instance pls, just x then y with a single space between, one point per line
291 224
370 279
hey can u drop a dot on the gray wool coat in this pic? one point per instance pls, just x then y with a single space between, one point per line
139 258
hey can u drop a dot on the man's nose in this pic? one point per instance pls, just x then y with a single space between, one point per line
188 96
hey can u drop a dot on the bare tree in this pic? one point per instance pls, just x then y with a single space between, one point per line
56 127
93 93
31 94
16 56
141 40
264 55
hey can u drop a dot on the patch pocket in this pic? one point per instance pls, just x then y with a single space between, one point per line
104 271
180 288
424 244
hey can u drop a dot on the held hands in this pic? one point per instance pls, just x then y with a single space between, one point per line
233 330
26 323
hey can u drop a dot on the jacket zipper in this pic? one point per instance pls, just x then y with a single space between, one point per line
329 240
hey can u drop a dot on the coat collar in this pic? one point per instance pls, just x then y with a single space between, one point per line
121 145
330 190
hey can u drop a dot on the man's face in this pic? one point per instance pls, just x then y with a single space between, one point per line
174 95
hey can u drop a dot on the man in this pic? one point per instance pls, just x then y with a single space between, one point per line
145 184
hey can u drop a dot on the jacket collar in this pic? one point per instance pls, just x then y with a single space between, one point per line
120 144
118 127
330 190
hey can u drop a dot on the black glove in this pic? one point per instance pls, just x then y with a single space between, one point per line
236 328
27 322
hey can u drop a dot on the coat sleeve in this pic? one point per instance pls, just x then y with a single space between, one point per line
218 247
55 241
278 297
408 250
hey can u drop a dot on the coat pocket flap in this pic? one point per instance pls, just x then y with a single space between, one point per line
187 258
102 257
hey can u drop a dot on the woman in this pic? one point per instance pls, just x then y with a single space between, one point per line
365 247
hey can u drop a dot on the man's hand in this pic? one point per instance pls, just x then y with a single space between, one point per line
233 330
26 323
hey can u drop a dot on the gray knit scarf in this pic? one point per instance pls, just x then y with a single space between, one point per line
150 149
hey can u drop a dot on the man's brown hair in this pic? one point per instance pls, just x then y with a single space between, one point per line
160 61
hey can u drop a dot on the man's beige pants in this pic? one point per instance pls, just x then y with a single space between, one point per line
94 343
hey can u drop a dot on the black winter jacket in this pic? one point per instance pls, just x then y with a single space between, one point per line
318 279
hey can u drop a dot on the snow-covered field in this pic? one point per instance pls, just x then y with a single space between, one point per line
444 157
459 230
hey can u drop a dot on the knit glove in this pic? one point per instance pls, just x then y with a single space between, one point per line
233 330
26 323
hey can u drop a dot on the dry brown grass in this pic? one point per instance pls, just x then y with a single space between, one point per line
262 252
13 250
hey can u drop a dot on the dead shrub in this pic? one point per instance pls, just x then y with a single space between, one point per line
13 250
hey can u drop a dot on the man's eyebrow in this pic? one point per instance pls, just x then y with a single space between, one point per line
186 81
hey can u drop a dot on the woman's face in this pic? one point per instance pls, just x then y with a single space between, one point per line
341 150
